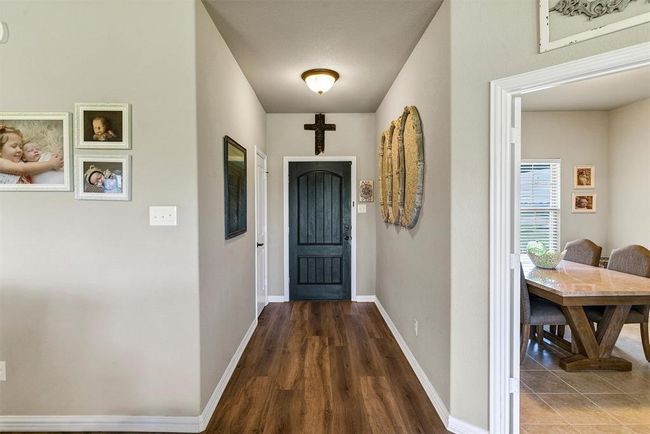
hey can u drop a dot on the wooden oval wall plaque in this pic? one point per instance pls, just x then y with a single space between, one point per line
412 170
394 206
401 170
385 177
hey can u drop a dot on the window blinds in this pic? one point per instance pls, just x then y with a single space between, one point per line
539 202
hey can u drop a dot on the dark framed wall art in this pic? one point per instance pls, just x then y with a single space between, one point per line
234 169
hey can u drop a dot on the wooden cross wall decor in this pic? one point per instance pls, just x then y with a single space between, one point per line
319 127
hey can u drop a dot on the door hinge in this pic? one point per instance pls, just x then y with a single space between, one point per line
515 135
514 261
513 385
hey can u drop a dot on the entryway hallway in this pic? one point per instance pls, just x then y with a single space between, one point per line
324 367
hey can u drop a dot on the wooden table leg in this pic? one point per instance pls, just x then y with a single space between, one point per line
595 349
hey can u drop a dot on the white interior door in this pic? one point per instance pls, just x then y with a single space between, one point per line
261 298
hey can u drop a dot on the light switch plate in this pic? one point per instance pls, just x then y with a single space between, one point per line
3 371
162 216
361 209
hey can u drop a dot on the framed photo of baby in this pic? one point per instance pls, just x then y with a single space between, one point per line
583 203
103 177
102 126
584 177
35 152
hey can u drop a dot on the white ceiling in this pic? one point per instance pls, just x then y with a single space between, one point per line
366 41
602 93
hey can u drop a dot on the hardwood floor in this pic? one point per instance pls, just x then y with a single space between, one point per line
324 367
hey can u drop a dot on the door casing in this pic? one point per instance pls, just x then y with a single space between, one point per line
266 251
353 217
505 148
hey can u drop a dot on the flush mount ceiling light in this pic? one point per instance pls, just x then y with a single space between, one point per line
320 80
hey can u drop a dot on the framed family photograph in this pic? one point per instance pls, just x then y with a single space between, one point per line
35 153
584 177
583 202
103 177
102 126
566 22
234 169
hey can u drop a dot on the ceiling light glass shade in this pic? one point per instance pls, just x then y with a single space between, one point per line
320 80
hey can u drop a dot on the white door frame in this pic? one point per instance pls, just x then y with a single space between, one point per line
504 258
353 217
266 224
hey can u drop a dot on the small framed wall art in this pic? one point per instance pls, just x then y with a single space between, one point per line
35 152
103 177
584 177
102 126
366 190
234 169
583 203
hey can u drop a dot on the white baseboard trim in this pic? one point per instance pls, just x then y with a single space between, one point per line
365 299
451 423
190 424
461 427
100 423
276 299
211 406
431 392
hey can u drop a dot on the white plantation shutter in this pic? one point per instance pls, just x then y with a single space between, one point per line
539 202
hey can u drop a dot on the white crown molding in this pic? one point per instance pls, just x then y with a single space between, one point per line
192 424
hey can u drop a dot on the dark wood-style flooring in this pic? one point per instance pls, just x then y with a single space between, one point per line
324 367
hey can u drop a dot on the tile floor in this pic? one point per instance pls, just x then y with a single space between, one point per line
554 401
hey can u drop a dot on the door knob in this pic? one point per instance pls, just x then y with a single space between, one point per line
260 244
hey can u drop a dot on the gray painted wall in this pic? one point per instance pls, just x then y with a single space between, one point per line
413 265
629 159
353 137
491 40
98 310
576 138
226 105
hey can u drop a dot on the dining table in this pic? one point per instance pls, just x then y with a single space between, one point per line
575 286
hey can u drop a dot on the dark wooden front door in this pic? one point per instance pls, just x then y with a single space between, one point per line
319 230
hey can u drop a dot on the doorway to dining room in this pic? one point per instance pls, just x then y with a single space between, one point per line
567 143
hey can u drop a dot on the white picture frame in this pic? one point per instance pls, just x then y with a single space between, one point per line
546 44
588 203
97 165
116 121
584 177
50 132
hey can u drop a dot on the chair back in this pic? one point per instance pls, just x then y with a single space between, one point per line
524 298
583 251
632 259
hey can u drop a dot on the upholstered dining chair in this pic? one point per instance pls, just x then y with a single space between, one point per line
583 251
632 259
536 312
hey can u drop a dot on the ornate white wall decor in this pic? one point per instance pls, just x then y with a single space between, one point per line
590 8
566 22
